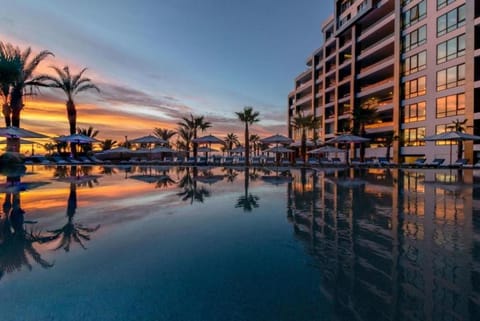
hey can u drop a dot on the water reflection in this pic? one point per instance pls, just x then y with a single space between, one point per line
392 244
72 232
16 242
190 189
248 201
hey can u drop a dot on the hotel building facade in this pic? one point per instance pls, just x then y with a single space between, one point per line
416 62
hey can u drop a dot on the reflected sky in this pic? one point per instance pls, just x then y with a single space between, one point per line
134 242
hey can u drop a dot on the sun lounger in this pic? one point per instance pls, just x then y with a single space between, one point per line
285 162
270 161
313 162
299 162
460 163
228 160
476 165
434 163
256 161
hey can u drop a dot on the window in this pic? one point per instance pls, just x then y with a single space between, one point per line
415 87
451 77
414 136
415 38
440 129
415 14
415 63
450 21
451 105
414 112
443 3
451 49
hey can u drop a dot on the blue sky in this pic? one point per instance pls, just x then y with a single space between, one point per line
165 58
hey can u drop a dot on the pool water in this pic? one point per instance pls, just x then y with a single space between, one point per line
167 243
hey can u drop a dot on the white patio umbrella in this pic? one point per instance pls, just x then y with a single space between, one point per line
452 136
120 151
278 149
76 138
276 139
298 143
347 139
239 149
209 139
16 132
326 149
149 139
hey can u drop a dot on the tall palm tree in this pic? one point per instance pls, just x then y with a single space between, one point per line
459 126
194 124
304 123
184 140
248 116
230 140
71 86
164 134
10 66
25 79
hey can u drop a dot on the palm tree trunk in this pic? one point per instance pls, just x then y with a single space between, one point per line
7 111
304 145
195 145
16 105
460 150
247 146
72 121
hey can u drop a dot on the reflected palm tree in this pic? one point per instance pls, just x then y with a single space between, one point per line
72 232
190 189
230 174
247 201
16 243
164 181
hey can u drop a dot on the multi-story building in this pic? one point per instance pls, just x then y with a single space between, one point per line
416 62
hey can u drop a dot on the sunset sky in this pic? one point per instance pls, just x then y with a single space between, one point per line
158 60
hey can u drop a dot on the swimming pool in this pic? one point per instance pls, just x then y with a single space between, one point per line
166 243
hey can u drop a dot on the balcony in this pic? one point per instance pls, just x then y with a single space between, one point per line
305 85
378 65
304 100
379 127
373 88
380 24
377 46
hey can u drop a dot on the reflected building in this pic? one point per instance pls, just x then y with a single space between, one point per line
392 244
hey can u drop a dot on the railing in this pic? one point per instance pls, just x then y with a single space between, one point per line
365 69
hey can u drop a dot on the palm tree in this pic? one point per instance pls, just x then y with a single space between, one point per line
24 80
255 140
194 124
248 116
459 126
304 123
10 66
108 144
363 115
230 140
185 139
71 86
89 132
164 134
